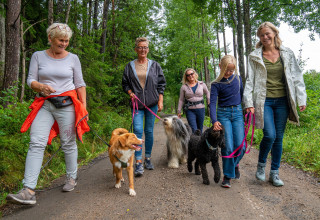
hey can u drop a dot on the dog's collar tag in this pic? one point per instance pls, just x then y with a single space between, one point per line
210 146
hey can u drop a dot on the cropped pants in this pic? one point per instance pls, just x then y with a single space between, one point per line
39 134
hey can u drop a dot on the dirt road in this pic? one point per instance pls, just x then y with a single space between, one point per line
176 194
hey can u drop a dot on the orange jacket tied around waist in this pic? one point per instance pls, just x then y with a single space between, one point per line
81 124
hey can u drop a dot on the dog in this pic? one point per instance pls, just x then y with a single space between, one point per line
204 148
178 135
121 153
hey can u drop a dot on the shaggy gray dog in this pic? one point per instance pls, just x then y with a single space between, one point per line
204 148
178 135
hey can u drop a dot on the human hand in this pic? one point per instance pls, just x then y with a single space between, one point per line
179 115
250 109
302 108
217 126
46 90
160 105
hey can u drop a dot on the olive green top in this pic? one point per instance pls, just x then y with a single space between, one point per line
275 79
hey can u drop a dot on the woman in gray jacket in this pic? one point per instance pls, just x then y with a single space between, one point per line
274 87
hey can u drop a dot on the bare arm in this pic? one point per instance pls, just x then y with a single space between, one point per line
43 89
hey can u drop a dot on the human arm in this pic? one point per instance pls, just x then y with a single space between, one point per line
206 91
248 90
126 85
160 103
213 102
181 101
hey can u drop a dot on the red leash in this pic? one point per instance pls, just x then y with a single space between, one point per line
246 131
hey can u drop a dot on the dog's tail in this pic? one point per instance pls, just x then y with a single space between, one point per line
197 132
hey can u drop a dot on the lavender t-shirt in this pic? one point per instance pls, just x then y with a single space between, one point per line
61 74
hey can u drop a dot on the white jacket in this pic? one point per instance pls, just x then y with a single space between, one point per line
255 89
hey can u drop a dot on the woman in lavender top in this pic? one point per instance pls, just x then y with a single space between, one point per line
227 89
55 74
191 96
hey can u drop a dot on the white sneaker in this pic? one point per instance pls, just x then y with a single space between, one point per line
69 185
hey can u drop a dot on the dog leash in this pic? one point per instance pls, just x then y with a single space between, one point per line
134 101
248 122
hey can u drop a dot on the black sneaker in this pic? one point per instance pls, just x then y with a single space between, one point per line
147 164
226 182
237 172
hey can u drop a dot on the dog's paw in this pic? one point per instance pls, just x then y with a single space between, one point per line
206 182
132 192
118 185
183 161
190 168
216 179
173 166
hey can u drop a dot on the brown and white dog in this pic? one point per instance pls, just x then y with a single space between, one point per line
121 152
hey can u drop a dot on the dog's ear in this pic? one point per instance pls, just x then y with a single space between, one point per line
123 140
181 128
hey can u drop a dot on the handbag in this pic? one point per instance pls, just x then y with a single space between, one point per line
61 101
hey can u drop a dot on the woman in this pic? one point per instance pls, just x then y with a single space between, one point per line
144 78
55 74
273 89
228 90
191 96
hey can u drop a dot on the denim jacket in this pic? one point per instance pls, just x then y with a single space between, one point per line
256 85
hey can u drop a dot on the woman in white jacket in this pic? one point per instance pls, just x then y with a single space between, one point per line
274 87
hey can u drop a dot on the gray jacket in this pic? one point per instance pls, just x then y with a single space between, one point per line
255 89
155 83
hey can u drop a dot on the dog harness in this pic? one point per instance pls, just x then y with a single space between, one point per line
123 164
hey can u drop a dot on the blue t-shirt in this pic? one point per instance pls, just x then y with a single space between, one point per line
194 88
227 92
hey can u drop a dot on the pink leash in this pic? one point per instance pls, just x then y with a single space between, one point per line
246 131
135 107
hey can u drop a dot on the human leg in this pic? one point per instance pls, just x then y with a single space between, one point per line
200 118
39 133
192 119
66 121
138 130
224 116
148 131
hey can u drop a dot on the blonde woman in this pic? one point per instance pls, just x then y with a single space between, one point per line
60 105
274 87
191 97
227 89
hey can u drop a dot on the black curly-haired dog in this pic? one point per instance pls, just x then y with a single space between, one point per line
204 148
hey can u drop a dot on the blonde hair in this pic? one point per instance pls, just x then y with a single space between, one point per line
141 39
224 62
184 78
277 40
59 30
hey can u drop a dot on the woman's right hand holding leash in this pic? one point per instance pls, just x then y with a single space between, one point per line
250 109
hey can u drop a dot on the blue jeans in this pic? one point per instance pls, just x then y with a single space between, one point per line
232 120
195 118
276 111
148 129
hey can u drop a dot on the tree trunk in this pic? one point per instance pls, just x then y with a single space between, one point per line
218 42
68 11
234 43
50 12
84 17
60 14
11 73
104 27
223 32
247 31
23 64
240 40
2 45
89 17
95 15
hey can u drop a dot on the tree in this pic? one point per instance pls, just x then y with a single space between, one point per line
12 51
2 43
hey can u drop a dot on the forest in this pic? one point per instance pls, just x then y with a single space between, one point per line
182 33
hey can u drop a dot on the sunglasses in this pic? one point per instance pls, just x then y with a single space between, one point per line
62 27
142 48
189 74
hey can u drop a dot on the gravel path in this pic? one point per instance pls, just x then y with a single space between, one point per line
176 194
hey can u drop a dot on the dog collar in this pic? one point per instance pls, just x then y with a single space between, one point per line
123 164
210 146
